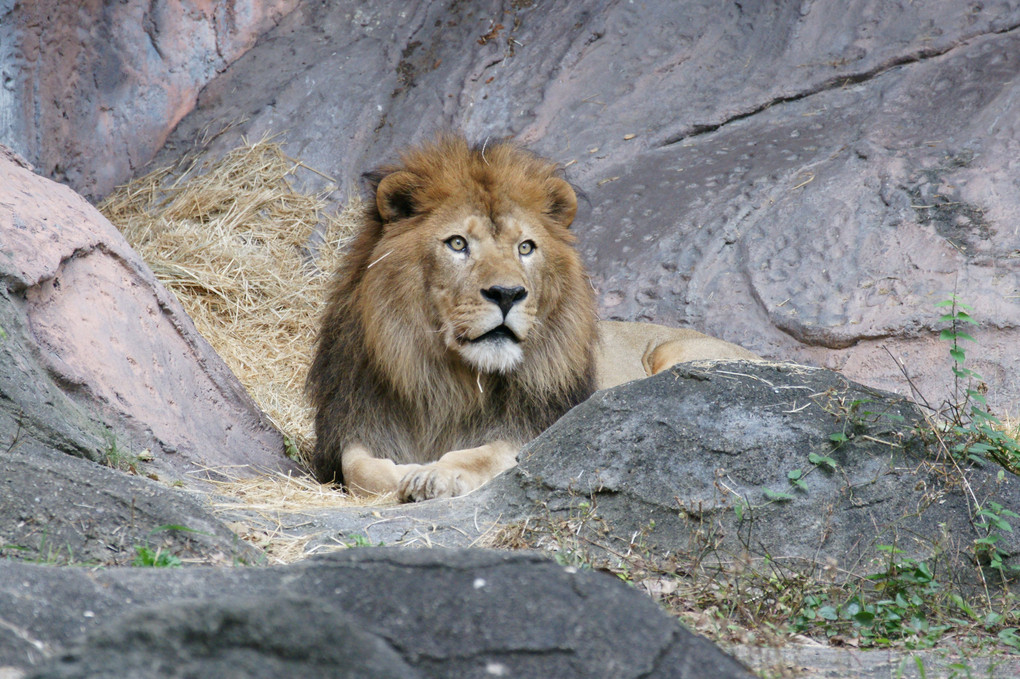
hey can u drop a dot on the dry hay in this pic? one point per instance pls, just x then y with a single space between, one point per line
275 492
272 495
230 239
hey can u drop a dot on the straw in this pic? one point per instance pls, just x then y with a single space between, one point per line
230 238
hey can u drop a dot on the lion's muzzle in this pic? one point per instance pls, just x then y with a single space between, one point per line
505 297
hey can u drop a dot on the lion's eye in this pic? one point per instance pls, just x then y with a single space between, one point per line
526 247
457 243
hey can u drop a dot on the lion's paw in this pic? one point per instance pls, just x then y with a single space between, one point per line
431 481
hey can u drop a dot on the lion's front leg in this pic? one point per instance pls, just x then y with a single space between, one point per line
365 474
458 472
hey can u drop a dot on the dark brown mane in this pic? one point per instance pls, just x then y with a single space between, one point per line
396 393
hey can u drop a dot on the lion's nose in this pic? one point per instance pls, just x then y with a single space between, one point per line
503 297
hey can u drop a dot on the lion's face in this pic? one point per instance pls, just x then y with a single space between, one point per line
485 286
473 260
484 280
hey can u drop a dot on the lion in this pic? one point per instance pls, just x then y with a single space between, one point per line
462 323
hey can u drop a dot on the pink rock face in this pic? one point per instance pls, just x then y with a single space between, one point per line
97 86
116 341
805 179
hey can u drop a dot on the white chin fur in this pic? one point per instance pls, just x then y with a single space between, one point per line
496 356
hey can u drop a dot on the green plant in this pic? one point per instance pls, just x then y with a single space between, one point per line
979 434
154 558
976 435
358 540
893 605
146 556
117 458
992 519
290 448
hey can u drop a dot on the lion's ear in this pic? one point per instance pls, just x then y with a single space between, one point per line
562 204
395 196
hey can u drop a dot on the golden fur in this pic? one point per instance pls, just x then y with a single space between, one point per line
462 324
395 373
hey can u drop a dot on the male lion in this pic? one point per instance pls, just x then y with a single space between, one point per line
462 323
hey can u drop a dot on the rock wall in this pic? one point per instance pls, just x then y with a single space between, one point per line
97 359
90 90
805 179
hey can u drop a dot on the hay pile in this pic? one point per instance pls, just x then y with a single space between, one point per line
229 238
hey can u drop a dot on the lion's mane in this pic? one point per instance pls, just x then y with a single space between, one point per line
380 379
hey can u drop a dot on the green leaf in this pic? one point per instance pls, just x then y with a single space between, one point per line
920 667
777 496
865 618
838 437
963 605
1009 637
964 316
980 414
828 612
816 459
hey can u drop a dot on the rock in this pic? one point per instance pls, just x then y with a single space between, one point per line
90 90
97 359
702 457
802 180
697 461
258 636
58 509
429 613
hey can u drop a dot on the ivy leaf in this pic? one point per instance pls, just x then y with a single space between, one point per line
816 459
796 477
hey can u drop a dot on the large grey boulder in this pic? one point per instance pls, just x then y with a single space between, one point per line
242 637
697 462
60 509
429 613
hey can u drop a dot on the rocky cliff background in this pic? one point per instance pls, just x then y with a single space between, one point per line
807 179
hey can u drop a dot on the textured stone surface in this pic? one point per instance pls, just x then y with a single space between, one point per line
89 90
59 509
253 637
459 613
97 359
804 179
696 452
703 450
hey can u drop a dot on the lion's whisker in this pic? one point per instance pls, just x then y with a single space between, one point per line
379 260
